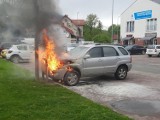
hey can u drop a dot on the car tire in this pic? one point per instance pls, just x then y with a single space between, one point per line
71 78
15 59
149 55
143 52
121 73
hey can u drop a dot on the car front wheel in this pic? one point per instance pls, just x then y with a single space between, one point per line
15 59
71 78
121 73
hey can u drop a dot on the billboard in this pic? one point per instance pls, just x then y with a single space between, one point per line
143 15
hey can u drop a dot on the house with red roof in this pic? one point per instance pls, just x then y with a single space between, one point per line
73 28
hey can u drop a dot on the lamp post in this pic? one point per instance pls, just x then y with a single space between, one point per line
112 20
118 29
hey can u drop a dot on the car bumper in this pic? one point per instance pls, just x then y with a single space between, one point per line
129 66
152 53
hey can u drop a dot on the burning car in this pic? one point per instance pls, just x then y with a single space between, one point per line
86 61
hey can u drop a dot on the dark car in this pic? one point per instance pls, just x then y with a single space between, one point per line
135 49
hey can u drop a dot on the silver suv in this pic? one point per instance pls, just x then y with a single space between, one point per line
90 61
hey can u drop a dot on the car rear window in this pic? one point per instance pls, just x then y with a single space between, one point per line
123 51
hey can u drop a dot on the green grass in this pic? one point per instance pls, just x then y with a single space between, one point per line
23 98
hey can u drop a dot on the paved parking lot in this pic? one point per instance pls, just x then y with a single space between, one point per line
137 96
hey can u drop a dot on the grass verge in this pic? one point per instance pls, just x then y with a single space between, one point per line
23 98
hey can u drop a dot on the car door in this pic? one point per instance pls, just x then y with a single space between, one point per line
93 65
23 51
134 49
110 59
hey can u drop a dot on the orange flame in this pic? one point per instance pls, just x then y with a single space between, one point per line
49 53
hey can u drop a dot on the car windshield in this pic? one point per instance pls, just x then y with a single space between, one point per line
150 46
128 47
78 51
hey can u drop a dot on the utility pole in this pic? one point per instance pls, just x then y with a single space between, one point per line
77 15
112 20
36 5
118 30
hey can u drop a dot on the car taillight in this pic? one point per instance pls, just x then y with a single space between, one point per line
9 51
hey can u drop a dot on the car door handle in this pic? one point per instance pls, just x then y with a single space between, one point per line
100 60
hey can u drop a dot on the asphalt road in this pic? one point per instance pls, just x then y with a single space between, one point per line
146 64
138 96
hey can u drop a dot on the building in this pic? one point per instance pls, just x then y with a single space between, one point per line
140 23
73 28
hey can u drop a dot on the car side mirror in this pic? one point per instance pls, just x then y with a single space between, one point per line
87 56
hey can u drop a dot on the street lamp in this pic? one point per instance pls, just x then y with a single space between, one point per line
117 28
112 20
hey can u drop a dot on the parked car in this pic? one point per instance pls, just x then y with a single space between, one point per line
92 60
136 49
7 45
153 50
18 53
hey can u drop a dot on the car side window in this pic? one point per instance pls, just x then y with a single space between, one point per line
109 51
22 47
123 51
134 47
95 52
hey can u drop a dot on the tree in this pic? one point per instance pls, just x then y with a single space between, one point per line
116 30
92 21
102 37
92 27
100 26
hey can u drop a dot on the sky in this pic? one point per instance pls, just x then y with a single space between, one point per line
102 8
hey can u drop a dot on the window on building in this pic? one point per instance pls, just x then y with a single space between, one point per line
152 24
130 26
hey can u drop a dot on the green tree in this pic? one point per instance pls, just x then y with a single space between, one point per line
102 38
100 26
116 30
92 27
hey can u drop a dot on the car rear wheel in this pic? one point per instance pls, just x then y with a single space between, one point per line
15 59
121 73
71 78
